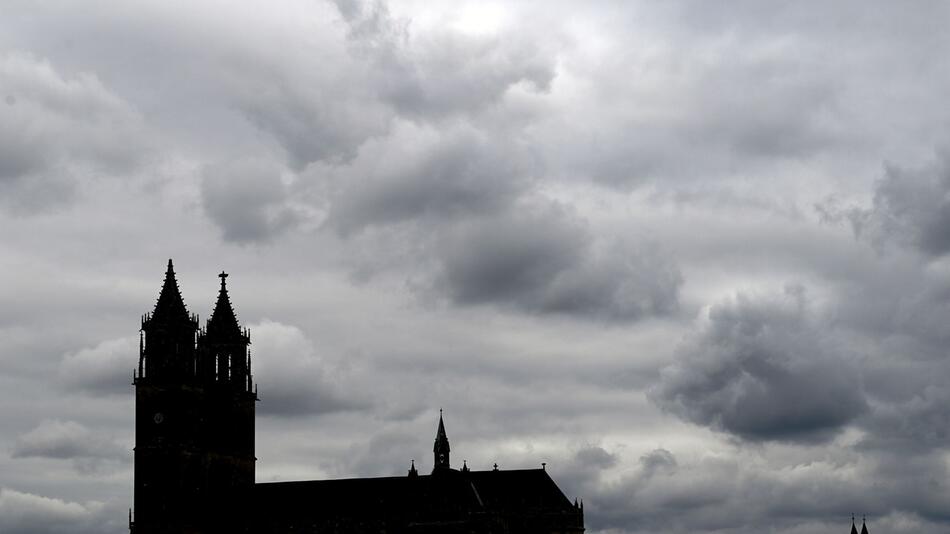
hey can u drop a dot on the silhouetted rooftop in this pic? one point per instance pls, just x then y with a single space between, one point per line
444 493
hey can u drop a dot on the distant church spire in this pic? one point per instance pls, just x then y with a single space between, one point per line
864 526
441 447
854 529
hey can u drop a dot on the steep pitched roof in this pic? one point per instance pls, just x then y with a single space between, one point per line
519 489
441 496
170 307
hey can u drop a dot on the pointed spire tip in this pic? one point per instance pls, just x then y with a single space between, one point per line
169 305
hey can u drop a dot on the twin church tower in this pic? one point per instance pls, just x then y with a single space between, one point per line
194 415
194 454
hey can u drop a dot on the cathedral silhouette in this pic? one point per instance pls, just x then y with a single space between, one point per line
194 454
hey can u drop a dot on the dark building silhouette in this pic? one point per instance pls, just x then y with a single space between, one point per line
194 454
864 526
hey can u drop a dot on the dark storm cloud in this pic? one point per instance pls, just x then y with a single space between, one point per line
440 73
911 207
763 369
247 200
460 176
544 260
53 127
919 424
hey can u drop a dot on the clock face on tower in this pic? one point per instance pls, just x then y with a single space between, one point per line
158 418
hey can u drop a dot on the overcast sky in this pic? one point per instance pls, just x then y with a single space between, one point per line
693 255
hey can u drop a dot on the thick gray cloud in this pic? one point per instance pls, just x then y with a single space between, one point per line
919 424
543 260
297 382
763 369
910 208
64 440
325 112
105 369
247 200
664 493
90 452
461 175
56 128
480 232
310 124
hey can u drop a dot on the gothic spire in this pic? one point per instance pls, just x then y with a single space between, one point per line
223 322
864 525
854 529
441 447
170 307
167 351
